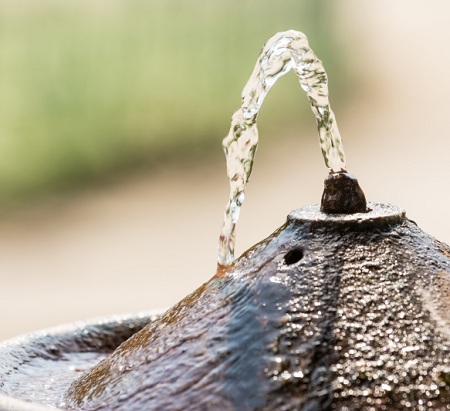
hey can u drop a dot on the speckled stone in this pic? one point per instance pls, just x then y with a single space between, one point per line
325 314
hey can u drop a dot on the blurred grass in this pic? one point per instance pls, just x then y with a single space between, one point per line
90 88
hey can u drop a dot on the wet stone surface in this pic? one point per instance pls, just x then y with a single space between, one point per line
39 367
319 316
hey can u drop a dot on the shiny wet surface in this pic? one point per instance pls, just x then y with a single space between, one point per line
318 316
39 367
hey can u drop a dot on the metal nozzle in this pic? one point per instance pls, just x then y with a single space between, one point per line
342 195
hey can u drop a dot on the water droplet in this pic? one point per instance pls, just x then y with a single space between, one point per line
298 374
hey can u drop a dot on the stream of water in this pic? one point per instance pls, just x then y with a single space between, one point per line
283 52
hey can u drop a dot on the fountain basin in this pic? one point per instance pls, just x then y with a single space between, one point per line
330 311
36 368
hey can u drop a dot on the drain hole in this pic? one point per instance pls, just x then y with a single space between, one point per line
293 256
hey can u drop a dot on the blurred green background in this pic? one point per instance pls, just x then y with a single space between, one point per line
112 113
93 88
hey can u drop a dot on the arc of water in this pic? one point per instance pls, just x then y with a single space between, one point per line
283 52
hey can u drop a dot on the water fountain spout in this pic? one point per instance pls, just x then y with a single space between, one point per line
282 53
342 195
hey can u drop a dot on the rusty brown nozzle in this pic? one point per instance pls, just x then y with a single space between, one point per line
342 195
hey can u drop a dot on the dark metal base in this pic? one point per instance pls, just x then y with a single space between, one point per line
331 311
345 311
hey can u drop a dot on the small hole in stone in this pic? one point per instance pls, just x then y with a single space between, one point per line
293 256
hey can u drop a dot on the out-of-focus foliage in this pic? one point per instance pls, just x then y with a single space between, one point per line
89 87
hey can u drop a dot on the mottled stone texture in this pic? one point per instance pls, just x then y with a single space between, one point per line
319 316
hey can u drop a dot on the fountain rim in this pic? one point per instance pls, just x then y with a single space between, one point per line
379 213
9 403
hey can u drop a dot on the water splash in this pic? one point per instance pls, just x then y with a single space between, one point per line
283 52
